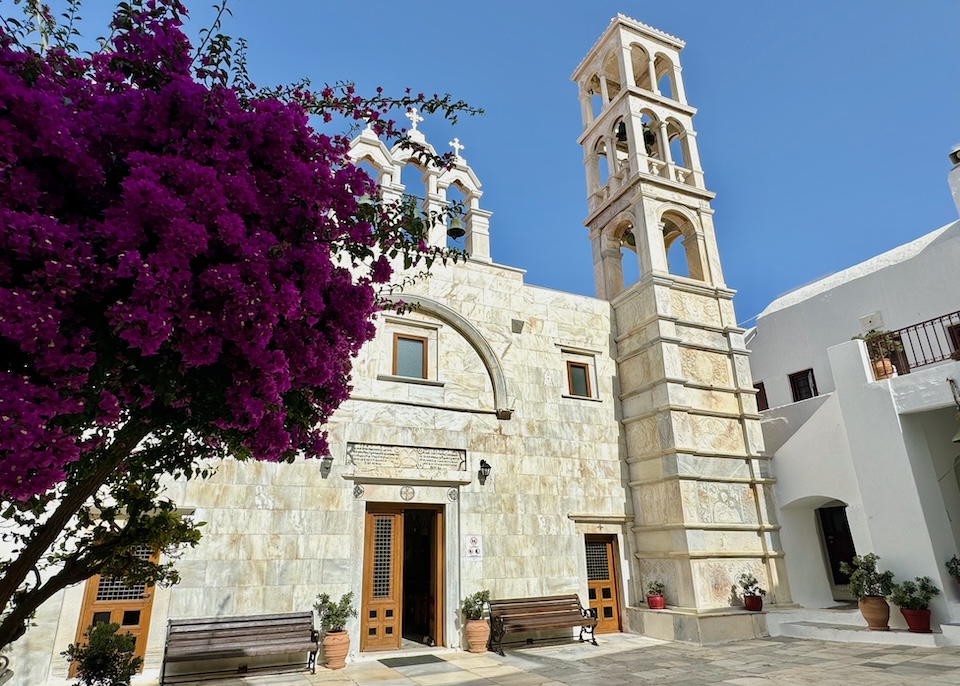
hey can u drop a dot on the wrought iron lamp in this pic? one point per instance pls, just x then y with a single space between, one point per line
484 471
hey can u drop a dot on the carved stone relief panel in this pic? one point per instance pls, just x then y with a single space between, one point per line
713 401
742 367
642 437
708 369
659 504
690 307
718 503
717 434
715 581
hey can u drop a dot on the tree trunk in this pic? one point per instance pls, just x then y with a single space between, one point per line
46 534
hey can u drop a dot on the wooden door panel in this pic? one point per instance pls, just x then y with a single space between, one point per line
108 599
381 612
602 584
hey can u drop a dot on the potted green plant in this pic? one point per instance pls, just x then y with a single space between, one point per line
953 567
752 593
870 587
913 598
475 626
333 618
881 346
655 595
106 658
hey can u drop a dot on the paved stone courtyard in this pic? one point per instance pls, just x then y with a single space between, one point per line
623 659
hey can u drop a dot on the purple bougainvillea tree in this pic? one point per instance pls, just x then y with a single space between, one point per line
185 273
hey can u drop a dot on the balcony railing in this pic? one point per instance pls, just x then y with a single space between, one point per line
918 345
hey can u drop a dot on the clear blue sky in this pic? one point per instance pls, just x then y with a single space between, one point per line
823 125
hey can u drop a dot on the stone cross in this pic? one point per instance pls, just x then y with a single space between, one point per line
457 147
413 117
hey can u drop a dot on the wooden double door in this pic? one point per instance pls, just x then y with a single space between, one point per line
402 577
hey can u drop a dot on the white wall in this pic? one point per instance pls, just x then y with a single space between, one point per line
907 285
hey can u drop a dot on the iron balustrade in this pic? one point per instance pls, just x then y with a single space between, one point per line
918 345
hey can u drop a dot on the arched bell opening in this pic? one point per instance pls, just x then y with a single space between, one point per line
629 259
611 72
666 84
413 178
602 162
596 99
457 204
621 140
374 172
640 61
682 246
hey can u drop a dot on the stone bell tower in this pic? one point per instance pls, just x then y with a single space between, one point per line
701 491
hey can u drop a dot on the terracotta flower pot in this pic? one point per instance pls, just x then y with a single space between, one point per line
336 645
655 602
754 603
478 633
918 621
875 610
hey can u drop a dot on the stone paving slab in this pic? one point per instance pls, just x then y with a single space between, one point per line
628 660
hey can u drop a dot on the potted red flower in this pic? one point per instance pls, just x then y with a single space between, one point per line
914 597
655 595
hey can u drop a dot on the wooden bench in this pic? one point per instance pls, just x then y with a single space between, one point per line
535 614
219 638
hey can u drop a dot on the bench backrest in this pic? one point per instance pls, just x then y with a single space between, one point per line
265 628
531 606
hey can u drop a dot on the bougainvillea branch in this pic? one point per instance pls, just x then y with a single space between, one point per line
183 259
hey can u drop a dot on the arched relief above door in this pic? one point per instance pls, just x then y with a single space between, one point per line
473 337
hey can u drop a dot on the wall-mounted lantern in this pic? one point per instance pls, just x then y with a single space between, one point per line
484 471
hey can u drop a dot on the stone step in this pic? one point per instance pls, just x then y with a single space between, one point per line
846 633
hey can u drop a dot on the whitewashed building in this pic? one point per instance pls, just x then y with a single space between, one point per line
866 465
510 437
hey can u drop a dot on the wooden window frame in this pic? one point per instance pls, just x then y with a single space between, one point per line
795 377
586 374
762 402
409 337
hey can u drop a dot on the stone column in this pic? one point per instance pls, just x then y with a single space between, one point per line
652 71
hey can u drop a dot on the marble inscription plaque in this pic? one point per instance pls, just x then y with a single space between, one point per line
377 457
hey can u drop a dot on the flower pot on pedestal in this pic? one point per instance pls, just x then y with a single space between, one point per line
754 603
